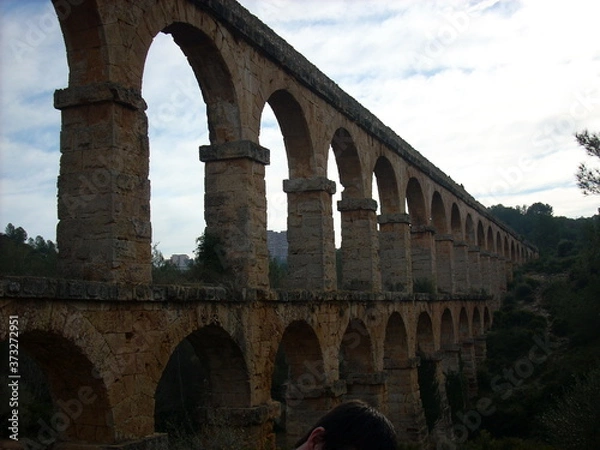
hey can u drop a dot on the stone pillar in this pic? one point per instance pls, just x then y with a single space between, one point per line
475 269
479 349
444 256
423 254
305 406
444 425
394 252
235 209
104 231
311 251
502 273
451 358
461 266
360 245
508 273
403 399
494 274
443 422
222 425
469 368
486 273
368 387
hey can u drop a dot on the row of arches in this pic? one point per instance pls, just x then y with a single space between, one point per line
128 385
103 115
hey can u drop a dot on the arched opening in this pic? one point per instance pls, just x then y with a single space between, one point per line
387 193
429 387
438 214
425 341
490 244
447 338
470 231
444 246
461 251
310 238
402 390
356 364
177 124
298 376
456 223
499 246
57 402
271 137
359 247
416 204
394 229
475 278
202 385
422 241
467 353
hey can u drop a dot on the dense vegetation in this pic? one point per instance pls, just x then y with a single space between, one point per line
22 256
542 371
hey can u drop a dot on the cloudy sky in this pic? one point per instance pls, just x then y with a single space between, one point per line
489 91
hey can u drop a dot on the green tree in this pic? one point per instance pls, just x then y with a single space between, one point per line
588 179
22 256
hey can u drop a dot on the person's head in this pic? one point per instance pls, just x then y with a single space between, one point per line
353 425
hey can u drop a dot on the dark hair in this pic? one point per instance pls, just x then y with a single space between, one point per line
354 425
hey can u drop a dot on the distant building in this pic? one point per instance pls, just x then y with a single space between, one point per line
182 262
278 245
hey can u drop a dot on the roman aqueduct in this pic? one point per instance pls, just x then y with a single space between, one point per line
103 333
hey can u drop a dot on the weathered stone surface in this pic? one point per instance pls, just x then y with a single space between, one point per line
117 330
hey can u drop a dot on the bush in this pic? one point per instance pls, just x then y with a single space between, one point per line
572 424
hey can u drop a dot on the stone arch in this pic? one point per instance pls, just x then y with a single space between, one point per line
403 405
102 110
300 375
467 351
348 164
456 223
490 243
204 382
387 184
356 351
480 235
447 337
84 56
470 230
444 246
396 350
422 239
78 389
356 362
214 79
360 243
425 344
296 135
438 214
416 203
